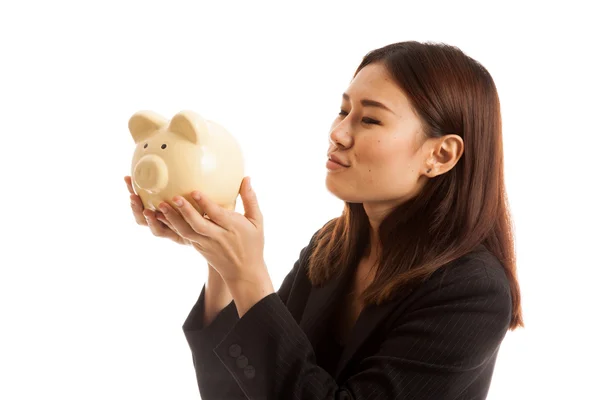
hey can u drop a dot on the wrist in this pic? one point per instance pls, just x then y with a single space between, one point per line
248 291
216 282
214 277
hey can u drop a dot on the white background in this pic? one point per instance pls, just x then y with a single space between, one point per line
92 304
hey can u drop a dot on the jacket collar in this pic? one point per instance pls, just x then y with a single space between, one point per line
323 301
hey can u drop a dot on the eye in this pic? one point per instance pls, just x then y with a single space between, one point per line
145 145
164 146
371 121
365 120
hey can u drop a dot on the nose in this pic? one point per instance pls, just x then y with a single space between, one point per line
340 136
151 173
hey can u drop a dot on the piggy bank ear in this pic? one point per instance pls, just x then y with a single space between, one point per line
189 125
143 124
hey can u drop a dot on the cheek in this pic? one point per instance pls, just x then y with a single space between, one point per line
381 155
369 151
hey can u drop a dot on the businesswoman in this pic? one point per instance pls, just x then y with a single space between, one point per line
409 293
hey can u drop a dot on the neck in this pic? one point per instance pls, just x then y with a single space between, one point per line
374 247
376 213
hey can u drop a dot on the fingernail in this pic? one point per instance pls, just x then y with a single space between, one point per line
178 202
163 208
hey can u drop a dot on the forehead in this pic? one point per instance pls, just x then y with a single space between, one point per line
375 82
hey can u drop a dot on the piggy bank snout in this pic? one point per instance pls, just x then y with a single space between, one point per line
151 173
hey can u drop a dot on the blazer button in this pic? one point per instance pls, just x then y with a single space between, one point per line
241 361
235 350
249 371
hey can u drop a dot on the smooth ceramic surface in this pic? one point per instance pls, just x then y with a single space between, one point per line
187 153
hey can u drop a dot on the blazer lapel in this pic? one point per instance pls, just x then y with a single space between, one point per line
322 302
368 320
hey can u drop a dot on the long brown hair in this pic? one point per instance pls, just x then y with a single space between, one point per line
455 211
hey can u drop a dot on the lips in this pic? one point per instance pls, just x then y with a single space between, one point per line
338 160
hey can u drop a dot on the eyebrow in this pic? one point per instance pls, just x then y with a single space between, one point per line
369 103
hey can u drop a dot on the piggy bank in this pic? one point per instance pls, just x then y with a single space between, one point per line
187 153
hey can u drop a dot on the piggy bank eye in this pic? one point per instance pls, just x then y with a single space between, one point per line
164 146
146 145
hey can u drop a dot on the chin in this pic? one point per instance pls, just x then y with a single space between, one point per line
339 189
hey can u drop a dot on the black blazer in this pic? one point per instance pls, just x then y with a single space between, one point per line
439 341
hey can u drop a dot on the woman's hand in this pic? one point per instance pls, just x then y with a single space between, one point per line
157 223
231 243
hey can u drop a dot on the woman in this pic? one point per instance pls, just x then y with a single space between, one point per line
410 292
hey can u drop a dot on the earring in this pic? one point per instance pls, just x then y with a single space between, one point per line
430 161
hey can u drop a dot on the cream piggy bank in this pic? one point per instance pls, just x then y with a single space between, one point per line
184 154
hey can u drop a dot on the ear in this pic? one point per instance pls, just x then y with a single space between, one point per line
143 124
189 125
447 152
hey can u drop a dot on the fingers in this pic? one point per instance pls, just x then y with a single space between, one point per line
216 213
172 219
158 228
156 221
187 221
129 185
136 204
161 217
250 201
138 208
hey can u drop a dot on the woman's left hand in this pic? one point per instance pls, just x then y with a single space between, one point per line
231 242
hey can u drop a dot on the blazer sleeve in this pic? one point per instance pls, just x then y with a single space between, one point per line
444 341
214 380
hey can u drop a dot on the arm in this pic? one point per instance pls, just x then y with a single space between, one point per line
214 381
217 296
196 317
435 351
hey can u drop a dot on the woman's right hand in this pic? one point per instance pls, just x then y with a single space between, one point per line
156 221
217 295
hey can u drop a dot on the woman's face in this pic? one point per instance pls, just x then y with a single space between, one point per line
384 148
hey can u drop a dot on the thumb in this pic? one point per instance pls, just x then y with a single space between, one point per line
251 208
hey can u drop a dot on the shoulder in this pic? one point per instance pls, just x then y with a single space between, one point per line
479 264
477 278
457 319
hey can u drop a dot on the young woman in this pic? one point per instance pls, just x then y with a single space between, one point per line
410 292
